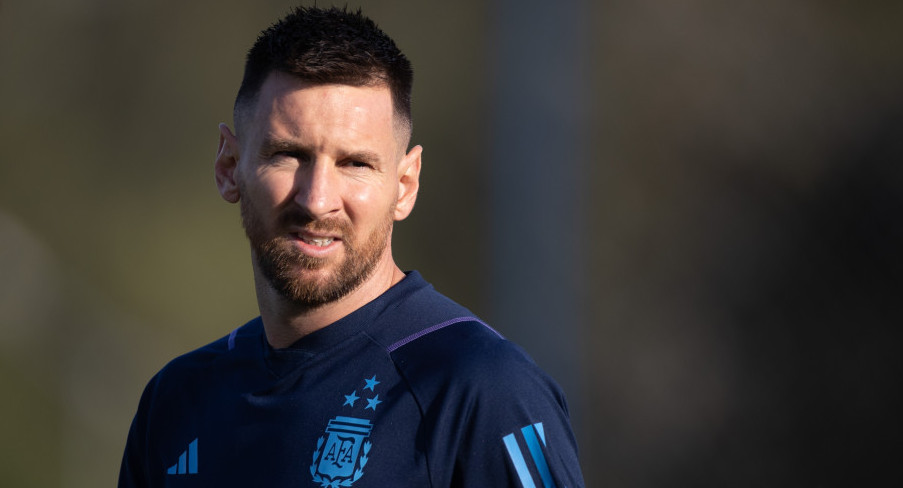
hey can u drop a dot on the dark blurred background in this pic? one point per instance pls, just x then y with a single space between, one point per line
705 196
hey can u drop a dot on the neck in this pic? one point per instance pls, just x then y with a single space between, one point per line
285 321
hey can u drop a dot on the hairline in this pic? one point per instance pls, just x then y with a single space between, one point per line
402 124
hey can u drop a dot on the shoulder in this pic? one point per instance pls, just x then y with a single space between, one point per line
470 357
409 310
440 346
241 343
490 415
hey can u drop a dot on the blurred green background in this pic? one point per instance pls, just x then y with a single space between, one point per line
740 219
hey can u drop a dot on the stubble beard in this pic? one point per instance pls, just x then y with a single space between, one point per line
286 268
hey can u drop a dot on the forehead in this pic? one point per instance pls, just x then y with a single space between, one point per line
288 106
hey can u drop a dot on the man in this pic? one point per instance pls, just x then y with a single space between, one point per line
355 373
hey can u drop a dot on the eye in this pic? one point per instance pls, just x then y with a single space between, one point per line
286 154
356 164
286 158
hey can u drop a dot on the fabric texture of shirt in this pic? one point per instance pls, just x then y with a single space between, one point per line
410 390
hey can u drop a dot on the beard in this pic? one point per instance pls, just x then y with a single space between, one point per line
288 270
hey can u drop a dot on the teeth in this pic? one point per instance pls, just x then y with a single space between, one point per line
319 242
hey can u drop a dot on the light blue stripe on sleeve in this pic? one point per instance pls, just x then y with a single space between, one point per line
538 457
542 433
520 465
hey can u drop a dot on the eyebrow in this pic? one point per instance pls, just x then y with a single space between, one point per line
364 155
271 146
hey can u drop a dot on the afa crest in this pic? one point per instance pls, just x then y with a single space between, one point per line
341 461
343 452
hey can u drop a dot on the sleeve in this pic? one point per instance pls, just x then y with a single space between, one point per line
517 432
134 472
491 416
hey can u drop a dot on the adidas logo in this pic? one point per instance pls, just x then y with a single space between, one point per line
534 437
188 461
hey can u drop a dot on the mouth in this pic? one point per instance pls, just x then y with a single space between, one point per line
316 241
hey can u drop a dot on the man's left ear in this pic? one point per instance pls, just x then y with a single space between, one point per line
408 182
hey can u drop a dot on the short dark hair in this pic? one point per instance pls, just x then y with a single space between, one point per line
325 46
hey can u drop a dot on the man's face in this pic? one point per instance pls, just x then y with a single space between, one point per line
318 179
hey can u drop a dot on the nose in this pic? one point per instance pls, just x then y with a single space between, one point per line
317 189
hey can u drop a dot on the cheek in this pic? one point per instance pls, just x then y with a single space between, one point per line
273 188
371 200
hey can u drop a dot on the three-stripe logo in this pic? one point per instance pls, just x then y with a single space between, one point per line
532 436
188 461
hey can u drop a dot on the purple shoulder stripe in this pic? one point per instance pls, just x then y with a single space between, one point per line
232 339
430 330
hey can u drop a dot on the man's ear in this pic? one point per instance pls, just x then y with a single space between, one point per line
408 182
226 164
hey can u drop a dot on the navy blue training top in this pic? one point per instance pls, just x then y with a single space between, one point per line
410 390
